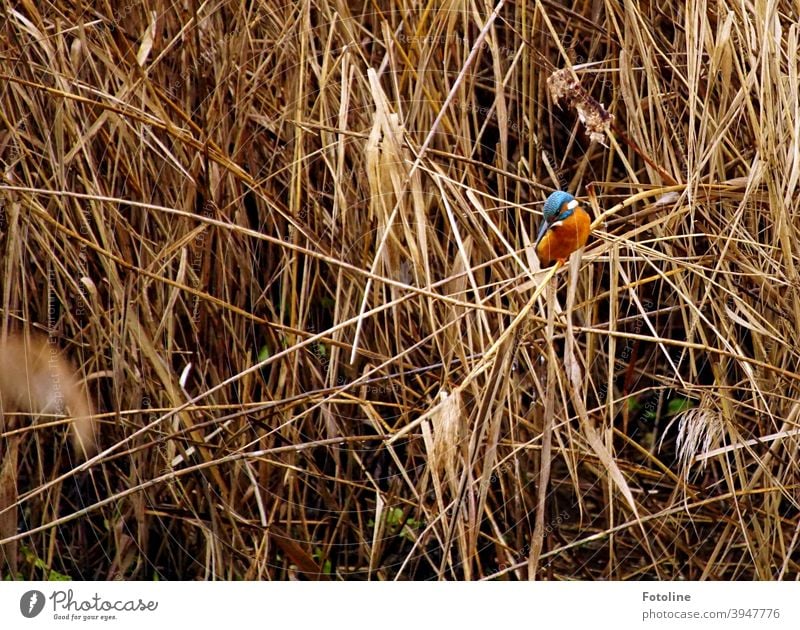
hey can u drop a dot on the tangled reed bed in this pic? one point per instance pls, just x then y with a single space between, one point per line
289 245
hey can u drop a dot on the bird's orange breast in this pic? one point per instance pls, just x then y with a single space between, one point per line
563 238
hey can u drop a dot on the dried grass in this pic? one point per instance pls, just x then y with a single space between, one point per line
272 236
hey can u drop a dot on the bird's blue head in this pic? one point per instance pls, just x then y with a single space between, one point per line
554 204
552 209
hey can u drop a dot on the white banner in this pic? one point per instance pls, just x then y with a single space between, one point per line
400 605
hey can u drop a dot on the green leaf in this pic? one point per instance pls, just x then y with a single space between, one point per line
50 574
679 405
394 516
55 576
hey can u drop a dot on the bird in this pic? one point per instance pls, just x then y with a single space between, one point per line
565 228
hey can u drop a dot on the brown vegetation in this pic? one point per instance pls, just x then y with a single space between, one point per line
288 244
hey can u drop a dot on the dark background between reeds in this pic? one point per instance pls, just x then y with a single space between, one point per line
228 190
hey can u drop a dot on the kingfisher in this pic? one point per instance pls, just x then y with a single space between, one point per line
565 228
